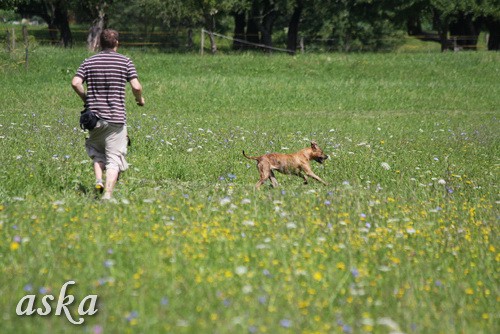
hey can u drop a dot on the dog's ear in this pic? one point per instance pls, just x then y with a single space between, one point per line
314 145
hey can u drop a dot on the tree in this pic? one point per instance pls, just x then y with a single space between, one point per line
293 27
93 11
457 22
54 12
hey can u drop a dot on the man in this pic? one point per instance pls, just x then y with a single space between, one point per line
106 75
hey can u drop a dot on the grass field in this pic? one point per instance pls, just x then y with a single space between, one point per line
404 239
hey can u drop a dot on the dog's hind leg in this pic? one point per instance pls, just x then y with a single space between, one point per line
264 172
274 182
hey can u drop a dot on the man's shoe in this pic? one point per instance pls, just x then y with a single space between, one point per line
99 187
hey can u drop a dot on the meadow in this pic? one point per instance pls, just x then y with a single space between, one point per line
404 239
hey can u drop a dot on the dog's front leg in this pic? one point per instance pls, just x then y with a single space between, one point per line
317 178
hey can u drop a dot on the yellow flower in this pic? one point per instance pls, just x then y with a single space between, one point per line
14 245
341 266
469 291
317 276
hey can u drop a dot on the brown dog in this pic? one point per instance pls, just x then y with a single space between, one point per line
295 163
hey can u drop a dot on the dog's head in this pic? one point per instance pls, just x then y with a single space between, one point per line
317 153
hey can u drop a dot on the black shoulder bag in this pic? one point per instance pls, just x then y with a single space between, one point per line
88 120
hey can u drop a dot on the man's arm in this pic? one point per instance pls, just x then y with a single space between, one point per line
77 84
137 90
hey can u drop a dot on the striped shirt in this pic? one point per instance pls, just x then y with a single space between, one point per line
106 75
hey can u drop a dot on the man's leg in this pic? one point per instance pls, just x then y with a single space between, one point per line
98 168
116 149
111 178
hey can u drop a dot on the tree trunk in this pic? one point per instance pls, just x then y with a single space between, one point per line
61 21
239 30
213 44
293 28
465 32
93 38
190 42
210 22
414 26
253 23
266 28
493 27
442 29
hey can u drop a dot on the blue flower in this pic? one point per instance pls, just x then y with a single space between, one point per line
285 323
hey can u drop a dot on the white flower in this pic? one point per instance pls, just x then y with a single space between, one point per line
247 289
241 270
248 223
225 200
410 230
441 181
385 165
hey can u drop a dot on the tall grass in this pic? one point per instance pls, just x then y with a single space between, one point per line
404 238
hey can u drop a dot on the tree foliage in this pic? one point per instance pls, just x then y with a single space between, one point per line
345 25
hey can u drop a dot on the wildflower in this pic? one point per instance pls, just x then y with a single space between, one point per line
354 272
241 270
43 290
14 246
109 263
97 329
317 276
442 182
285 323
347 329
385 166
411 230
132 317
28 287
341 265
225 200
248 223
247 289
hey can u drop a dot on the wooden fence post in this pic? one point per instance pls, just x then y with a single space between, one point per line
11 40
202 41
26 45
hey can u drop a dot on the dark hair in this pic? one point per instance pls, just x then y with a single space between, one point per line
109 39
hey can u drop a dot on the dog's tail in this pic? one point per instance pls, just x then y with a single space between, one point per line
251 158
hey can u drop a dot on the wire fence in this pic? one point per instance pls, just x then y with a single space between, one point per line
188 40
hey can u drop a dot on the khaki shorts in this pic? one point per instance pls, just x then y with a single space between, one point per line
107 143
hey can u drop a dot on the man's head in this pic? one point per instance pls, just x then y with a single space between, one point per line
109 39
